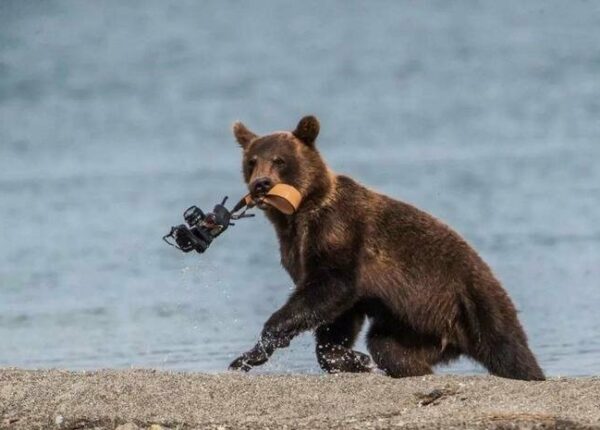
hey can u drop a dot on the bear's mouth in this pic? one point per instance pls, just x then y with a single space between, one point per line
258 200
260 203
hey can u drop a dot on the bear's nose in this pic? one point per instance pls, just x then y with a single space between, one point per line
262 186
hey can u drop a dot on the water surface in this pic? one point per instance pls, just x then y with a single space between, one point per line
115 116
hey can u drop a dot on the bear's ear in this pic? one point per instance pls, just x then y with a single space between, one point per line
307 130
242 134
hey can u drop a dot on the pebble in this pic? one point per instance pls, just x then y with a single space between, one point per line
128 426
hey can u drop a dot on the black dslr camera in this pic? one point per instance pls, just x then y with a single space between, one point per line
201 228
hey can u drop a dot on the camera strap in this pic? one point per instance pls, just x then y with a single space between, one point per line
282 197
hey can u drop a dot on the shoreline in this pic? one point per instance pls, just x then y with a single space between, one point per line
140 399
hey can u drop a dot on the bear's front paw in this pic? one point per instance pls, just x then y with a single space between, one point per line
340 359
246 361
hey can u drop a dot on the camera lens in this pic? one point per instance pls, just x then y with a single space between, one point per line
183 240
193 215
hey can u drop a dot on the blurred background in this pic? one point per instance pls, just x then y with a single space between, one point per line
115 117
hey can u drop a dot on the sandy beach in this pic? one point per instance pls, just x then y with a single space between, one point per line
142 399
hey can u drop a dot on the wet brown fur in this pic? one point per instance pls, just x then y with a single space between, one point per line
353 253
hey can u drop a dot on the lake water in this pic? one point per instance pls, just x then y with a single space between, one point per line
115 116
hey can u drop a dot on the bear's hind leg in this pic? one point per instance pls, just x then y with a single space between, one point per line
400 352
334 344
508 358
496 339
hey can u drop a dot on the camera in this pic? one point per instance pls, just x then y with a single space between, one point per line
201 228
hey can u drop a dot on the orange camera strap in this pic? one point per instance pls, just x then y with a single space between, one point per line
282 197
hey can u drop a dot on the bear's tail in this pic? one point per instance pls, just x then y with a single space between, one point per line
496 337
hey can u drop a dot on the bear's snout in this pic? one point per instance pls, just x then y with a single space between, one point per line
261 186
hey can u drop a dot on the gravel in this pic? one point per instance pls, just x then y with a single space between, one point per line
147 399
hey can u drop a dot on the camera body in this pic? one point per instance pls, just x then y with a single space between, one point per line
200 230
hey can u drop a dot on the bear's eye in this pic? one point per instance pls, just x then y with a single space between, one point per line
251 163
278 161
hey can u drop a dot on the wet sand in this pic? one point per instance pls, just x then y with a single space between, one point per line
144 398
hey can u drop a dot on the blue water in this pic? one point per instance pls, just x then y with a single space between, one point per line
115 116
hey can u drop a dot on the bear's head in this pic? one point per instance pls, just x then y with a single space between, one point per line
284 157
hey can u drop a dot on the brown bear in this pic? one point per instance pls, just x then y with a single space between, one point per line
353 254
